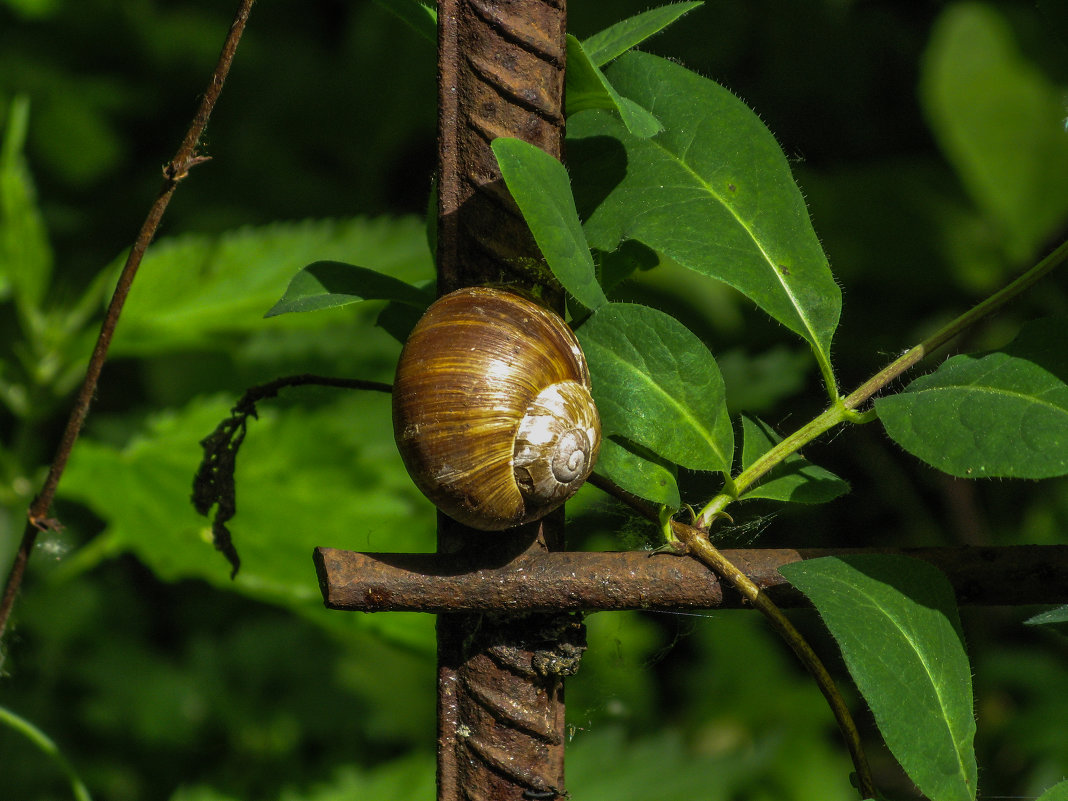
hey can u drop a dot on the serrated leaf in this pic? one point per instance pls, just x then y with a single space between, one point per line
1000 121
1058 615
1000 414
617 39
329 284
1058 792
795 480
896 621
713 191
328 476
656 384
542 190
25 255
193 291
638 474
588 88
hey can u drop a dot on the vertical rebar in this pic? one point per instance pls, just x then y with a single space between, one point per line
500 678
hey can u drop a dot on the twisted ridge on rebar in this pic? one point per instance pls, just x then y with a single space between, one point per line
507 81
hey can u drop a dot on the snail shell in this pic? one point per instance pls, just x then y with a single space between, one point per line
492 409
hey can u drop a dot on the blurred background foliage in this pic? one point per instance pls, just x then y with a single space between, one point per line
929 139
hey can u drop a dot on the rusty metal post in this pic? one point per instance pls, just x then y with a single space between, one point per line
500 678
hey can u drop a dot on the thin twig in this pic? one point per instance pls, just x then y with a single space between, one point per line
185 159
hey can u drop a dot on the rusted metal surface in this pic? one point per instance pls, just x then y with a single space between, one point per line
500 676
500 679
532 582
501 73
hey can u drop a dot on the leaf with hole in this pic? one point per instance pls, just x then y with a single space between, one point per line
795 480
656 384
713 191
542 190
1002 414
896 621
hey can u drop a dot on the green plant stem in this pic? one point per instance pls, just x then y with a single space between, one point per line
844 410
700 548
46 744
913 356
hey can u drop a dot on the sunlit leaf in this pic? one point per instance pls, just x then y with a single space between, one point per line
328 284
195 290
1058 792
328 476
656 384
616 39
588 88
713 191
542 190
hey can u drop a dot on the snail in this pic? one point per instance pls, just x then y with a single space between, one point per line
492 409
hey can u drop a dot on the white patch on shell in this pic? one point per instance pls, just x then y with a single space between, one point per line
556 443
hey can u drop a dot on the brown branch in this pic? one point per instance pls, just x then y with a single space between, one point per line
185 159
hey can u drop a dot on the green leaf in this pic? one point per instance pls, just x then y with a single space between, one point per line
326 476
1052 616
194 291
588 88
1000 121
1058 792
713 191
25 255
896 621
420 17
656 384
639 474
617 39
541 188
1055 620
795 480
328 284
1003 414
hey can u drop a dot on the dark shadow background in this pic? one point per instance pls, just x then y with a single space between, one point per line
329 112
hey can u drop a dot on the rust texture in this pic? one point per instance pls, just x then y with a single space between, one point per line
501 73
500 679
479 580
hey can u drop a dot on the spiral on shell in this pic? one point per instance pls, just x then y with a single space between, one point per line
492 409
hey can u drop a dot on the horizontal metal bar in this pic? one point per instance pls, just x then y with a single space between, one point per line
591 581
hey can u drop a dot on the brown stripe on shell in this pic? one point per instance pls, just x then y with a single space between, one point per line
470 369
